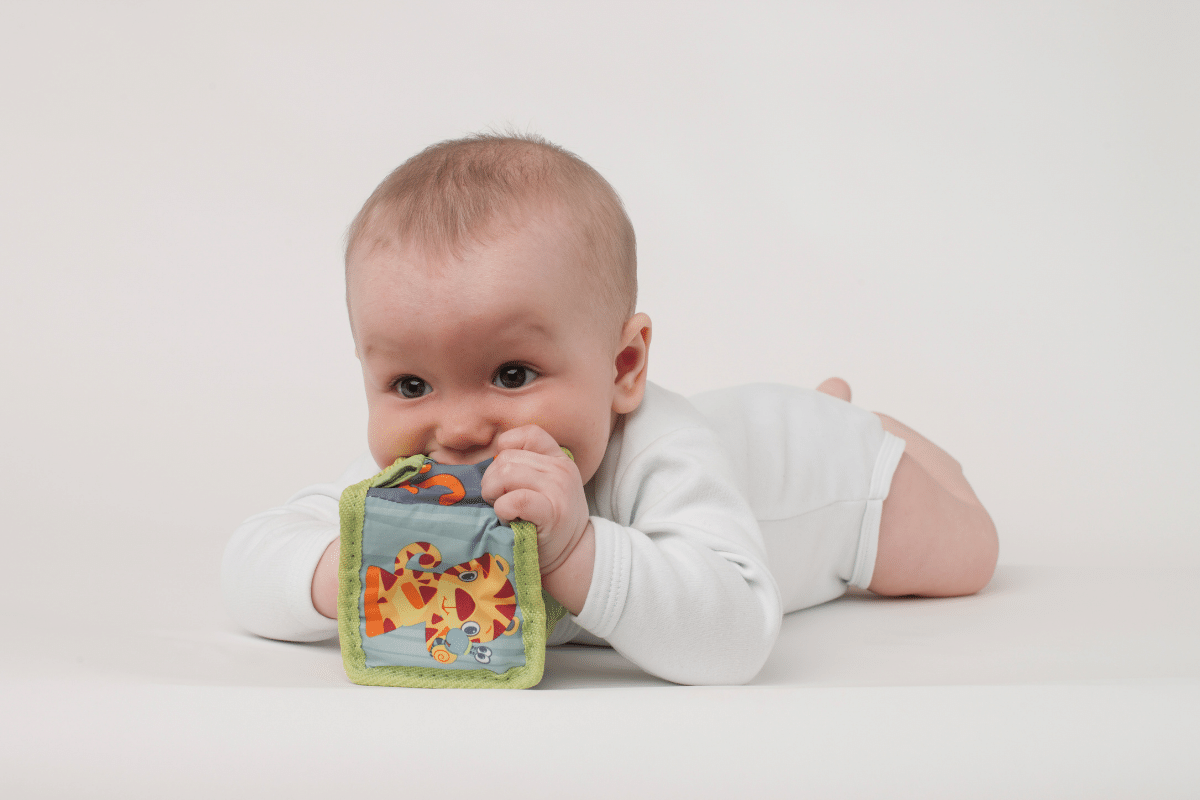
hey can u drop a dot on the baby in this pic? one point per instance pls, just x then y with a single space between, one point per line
491 286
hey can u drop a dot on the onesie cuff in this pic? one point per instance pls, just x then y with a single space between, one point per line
610 579
868 535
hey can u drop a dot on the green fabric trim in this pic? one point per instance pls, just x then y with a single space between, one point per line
541 611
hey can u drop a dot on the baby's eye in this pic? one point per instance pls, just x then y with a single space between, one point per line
411 386
513 376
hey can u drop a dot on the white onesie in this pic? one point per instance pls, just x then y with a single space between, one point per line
681 504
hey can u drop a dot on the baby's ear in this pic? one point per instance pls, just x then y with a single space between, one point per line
632 357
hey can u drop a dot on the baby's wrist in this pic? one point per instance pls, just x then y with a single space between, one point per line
570 579
551 553
325 581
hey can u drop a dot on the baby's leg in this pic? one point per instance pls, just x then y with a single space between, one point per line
935 537
940 465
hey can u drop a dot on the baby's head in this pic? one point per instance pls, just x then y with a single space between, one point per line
459 195
491 283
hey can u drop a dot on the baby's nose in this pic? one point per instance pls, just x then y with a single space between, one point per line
467 434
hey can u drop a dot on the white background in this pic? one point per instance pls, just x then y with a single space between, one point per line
985 216
982 215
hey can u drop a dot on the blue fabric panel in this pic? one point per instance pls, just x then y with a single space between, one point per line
460 533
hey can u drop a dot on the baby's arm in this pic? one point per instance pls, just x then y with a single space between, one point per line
267 571
533 480
279 574
935 538
325 580
681 586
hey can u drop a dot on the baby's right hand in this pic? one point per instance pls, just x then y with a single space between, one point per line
534 480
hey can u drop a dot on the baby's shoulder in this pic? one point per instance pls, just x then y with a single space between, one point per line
666 427
664 419
664 410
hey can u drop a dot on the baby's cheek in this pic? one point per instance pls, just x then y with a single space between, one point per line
388 443
587 451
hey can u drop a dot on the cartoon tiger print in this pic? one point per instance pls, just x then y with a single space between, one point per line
461 607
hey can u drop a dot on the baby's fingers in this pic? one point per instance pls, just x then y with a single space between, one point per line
555 475
531 438
524 504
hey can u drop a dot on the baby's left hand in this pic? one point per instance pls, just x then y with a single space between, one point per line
534 480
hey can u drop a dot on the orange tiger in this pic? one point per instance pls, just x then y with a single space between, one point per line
461 607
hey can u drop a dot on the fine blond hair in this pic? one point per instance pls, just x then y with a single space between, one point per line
449 196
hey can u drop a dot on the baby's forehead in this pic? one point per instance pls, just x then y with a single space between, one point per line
408 283
558 239
552 236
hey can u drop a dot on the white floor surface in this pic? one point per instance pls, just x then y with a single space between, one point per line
1084 684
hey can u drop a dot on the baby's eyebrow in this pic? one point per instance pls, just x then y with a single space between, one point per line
520 319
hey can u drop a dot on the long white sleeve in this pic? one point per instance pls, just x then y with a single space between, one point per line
680 585
267 570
